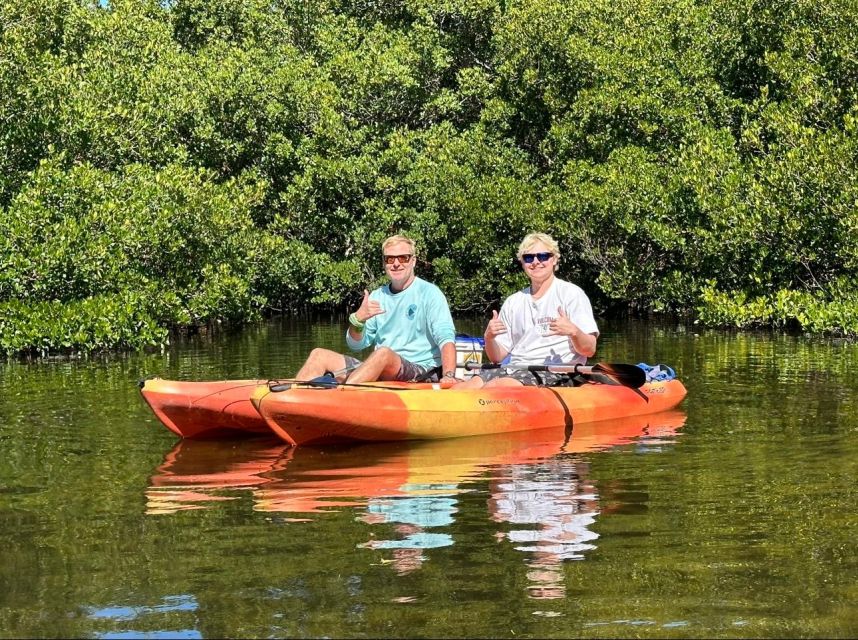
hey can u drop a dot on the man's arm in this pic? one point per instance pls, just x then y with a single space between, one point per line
495 328
357 336
441 326
448 359
581 342
584 343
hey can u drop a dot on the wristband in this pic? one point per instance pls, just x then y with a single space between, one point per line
450 374
357 324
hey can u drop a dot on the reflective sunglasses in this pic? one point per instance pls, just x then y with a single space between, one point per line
405 257
542 257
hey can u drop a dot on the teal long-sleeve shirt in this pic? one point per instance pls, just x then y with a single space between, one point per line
416 323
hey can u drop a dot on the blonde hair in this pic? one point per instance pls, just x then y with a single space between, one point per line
399 238
534 238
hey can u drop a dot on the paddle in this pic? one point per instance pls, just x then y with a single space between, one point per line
326 380
628 375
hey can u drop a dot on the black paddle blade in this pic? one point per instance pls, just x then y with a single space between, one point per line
628 375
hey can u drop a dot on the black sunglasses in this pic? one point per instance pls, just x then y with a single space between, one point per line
544 256
400 259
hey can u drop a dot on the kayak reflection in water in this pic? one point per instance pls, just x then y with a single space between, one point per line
413 515
550 507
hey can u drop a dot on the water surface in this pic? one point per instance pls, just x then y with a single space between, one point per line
733 516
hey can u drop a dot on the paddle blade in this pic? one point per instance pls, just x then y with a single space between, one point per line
628 375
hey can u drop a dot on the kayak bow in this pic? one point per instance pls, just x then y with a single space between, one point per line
205 409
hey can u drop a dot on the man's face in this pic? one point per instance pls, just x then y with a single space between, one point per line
539 262
398 262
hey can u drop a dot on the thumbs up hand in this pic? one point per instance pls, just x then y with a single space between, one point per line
368 308
495 327
562 325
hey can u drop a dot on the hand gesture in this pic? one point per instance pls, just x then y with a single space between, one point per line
562 325
448 383
495 327
368 308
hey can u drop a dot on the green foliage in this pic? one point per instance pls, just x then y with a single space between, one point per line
221 161
98 322
783 308
173 237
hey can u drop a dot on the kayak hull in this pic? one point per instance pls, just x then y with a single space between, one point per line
210 409
381 412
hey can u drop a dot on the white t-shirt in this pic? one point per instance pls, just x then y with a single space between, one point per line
527 321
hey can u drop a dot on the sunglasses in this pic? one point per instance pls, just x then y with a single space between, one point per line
405 257
542 257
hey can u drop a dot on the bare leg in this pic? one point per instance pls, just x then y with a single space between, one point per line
471 383
504 382
319 361
382 364
477 383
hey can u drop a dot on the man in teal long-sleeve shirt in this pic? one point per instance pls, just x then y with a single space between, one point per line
407 320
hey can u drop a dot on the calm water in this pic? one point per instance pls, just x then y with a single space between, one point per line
732 517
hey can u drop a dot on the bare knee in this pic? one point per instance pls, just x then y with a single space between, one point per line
472 383
319 361
386 359
382 364
385 354
504 382
324 356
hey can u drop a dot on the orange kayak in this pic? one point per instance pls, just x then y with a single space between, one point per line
302 414
205 409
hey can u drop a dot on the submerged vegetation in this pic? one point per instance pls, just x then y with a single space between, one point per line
183 163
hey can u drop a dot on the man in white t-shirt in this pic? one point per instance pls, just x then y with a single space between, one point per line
549 322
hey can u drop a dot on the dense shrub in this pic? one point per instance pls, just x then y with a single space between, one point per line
171 165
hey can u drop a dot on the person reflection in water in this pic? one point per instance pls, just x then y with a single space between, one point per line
550 507
413 515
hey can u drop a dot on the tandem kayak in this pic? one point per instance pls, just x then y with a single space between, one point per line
205 409
308 414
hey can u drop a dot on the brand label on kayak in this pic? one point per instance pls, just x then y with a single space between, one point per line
486 401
